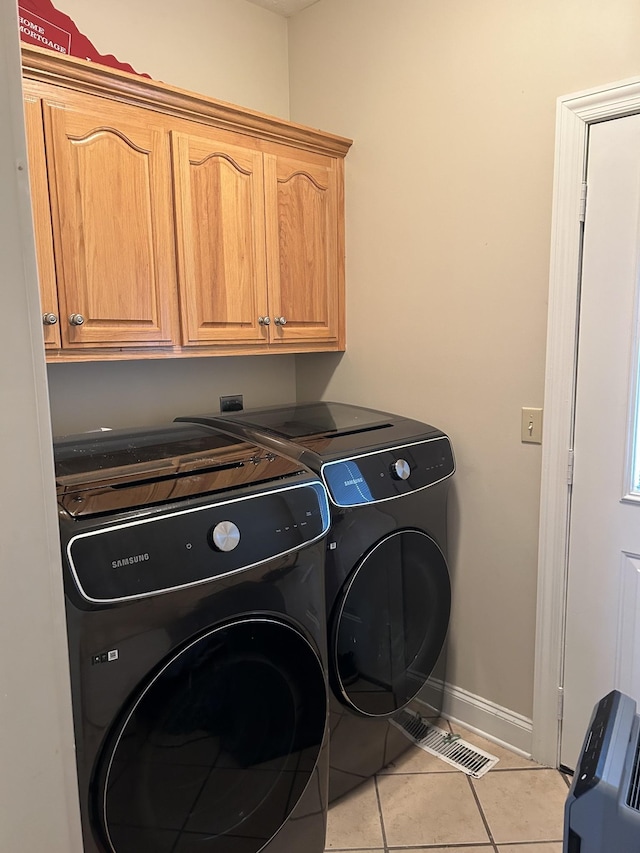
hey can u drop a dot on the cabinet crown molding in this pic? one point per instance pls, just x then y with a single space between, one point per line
42 65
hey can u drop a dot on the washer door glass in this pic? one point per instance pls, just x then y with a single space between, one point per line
217 749
390 623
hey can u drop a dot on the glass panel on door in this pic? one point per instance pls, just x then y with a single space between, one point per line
218 748
391 623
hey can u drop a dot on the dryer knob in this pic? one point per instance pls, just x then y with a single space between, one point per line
225 536
400 470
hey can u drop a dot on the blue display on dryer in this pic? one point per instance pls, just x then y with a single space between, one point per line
390 473
347 484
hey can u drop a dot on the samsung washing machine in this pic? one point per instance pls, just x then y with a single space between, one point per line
195 607
387 581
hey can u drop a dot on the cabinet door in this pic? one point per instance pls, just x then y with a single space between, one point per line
219 201
109 169
305 259
42 220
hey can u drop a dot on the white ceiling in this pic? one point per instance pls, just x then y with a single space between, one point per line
284 7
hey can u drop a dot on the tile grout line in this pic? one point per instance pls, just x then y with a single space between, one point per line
468 845
450 771
482 814
380 815
473 845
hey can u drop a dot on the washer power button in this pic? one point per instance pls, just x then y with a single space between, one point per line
401 469
225 536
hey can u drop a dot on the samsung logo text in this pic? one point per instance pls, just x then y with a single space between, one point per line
129 561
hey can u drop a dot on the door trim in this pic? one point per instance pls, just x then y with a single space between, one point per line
574 114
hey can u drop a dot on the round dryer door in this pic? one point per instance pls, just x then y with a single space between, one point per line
390 623
216 750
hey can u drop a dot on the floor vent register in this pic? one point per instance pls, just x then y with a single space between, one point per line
447 746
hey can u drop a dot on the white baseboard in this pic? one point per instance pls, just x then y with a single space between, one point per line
497 724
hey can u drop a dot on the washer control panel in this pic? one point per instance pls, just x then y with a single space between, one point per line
391 473
188 546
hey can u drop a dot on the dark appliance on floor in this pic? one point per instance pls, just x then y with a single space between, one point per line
388 587
602 811
194 581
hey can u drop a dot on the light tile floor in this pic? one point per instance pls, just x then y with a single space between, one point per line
423 805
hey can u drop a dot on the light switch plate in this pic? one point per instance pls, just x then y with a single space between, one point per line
531 428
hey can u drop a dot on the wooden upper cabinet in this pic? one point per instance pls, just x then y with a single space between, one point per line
42 221
110 184
305 256
219 202
169 223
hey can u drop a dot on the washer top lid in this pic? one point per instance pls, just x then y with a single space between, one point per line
118 470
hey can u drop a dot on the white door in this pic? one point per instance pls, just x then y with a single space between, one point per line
602 643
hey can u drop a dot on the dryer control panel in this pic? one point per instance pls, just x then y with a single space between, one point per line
386 474
170 550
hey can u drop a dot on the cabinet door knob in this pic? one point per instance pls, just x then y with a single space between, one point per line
280 321
76 319
264 321
49 319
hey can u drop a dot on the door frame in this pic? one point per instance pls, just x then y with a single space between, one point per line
574 114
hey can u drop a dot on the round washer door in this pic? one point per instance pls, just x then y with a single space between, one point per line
390 623
216 750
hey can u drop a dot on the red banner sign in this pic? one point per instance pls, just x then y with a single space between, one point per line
42 24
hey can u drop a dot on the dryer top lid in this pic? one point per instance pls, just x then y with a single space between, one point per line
321 431
118 470
306 420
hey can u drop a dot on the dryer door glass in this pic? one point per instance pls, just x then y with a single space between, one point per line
217 749
390 623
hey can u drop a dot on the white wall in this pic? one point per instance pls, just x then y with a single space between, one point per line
138 393
38 796
230 50
451 106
